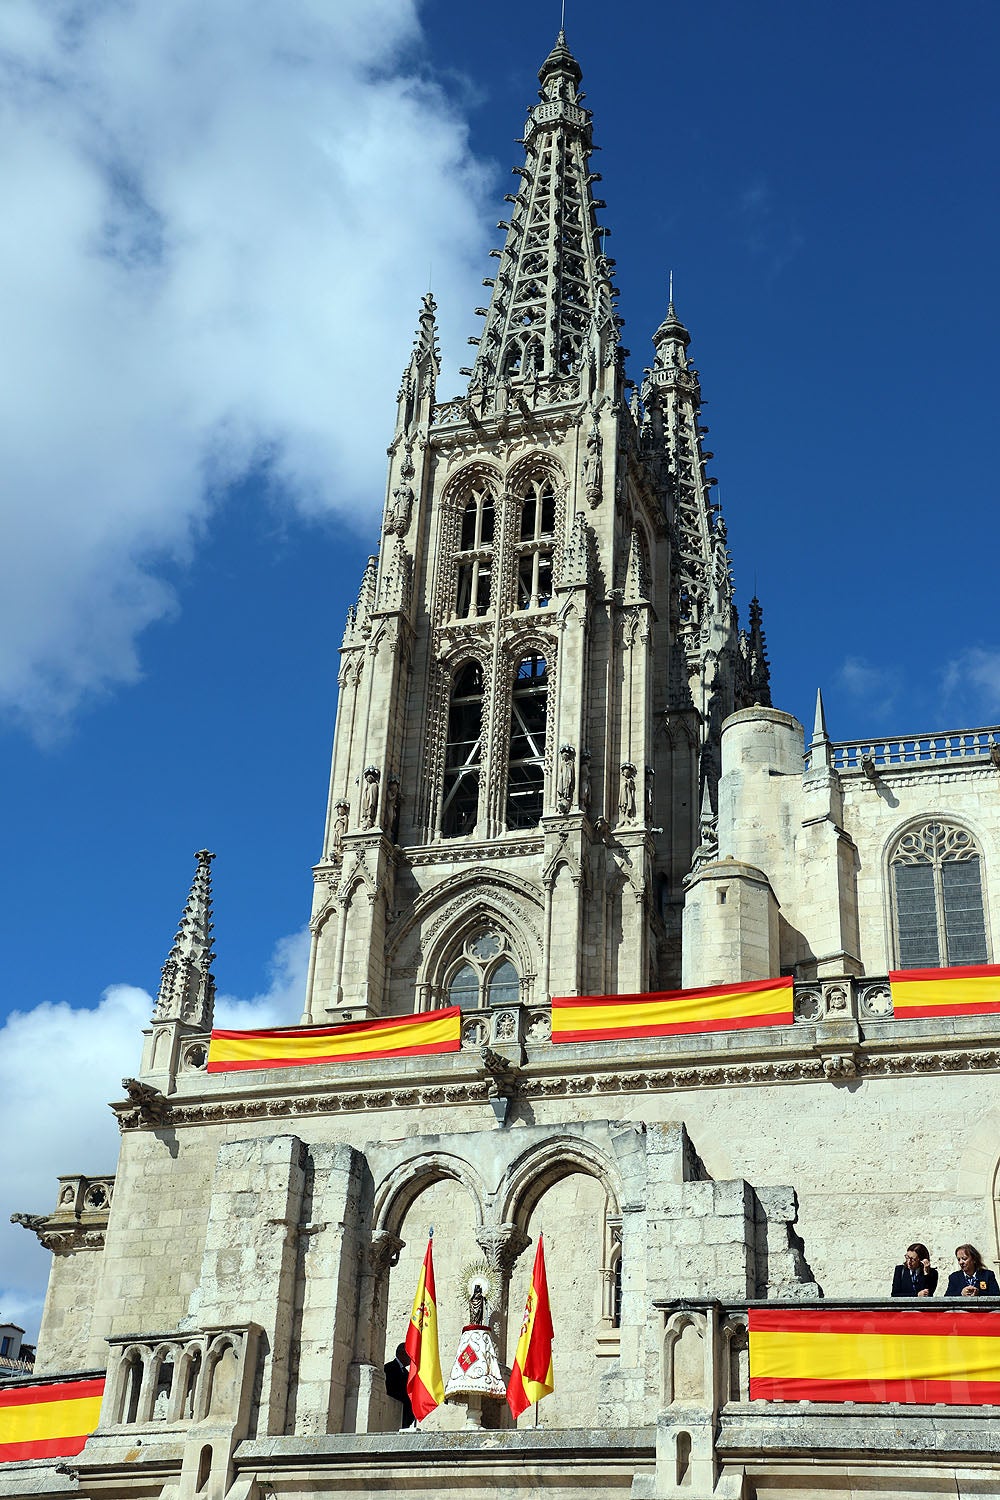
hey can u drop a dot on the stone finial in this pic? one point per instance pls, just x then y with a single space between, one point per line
820 752
758 665
187 984
366 595
424 367
560 60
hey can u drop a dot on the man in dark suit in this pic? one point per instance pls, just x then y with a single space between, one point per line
972 1279
395 1384
916 1277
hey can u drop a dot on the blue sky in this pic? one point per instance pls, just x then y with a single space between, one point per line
220 224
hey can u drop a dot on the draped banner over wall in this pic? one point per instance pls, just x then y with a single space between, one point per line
724 1007
973 990
361 1041
840 1354
52 1420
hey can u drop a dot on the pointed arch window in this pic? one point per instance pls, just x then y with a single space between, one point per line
475 554
537 537
463 753
486 973
939 917
526 767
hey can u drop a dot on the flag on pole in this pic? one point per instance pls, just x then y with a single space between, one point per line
532 1377
424 1385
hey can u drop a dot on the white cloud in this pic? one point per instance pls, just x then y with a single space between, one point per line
59 1067
971 685
217 221
875 686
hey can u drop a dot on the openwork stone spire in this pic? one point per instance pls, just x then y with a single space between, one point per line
187 985
552 297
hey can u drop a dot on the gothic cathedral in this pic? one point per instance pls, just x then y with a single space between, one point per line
606 955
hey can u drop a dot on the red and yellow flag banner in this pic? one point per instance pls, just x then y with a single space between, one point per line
969 991
532 1376
726 1007
361 1041
424 1384
53 1420
840 1354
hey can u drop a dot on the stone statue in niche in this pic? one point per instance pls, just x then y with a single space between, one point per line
391 814
593 466
399 512
626 796
369 797
585 782
566 784
342 812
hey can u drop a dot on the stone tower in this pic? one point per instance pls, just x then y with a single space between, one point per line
544 648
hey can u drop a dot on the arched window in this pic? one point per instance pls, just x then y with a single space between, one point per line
463 753
475 555
486 974
526 770
937 898
534 562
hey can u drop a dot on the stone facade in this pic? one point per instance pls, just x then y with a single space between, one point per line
556 771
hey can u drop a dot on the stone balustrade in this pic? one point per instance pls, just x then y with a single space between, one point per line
176 1379
865 757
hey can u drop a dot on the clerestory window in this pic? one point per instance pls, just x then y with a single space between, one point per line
463 753
475 556
486 973
526 766
937 895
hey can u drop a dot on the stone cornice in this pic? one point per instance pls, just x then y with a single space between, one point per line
559 1076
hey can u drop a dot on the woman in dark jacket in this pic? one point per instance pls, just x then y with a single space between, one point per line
972 1279
916 1277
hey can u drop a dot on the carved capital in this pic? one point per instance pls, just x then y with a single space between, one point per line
502 1245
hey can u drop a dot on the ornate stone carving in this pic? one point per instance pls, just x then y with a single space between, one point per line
585 782
398 514
187 985
593 466
626 793
566 784
875 1001
369 796
150 1104
502 1244
390 815
341 822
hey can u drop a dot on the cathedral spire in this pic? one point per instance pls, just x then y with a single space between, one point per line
552 306
187 985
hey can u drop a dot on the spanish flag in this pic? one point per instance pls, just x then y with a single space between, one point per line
844 1354
973 990
725 1007
361 1041
424 1385
51 1420
532 1376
